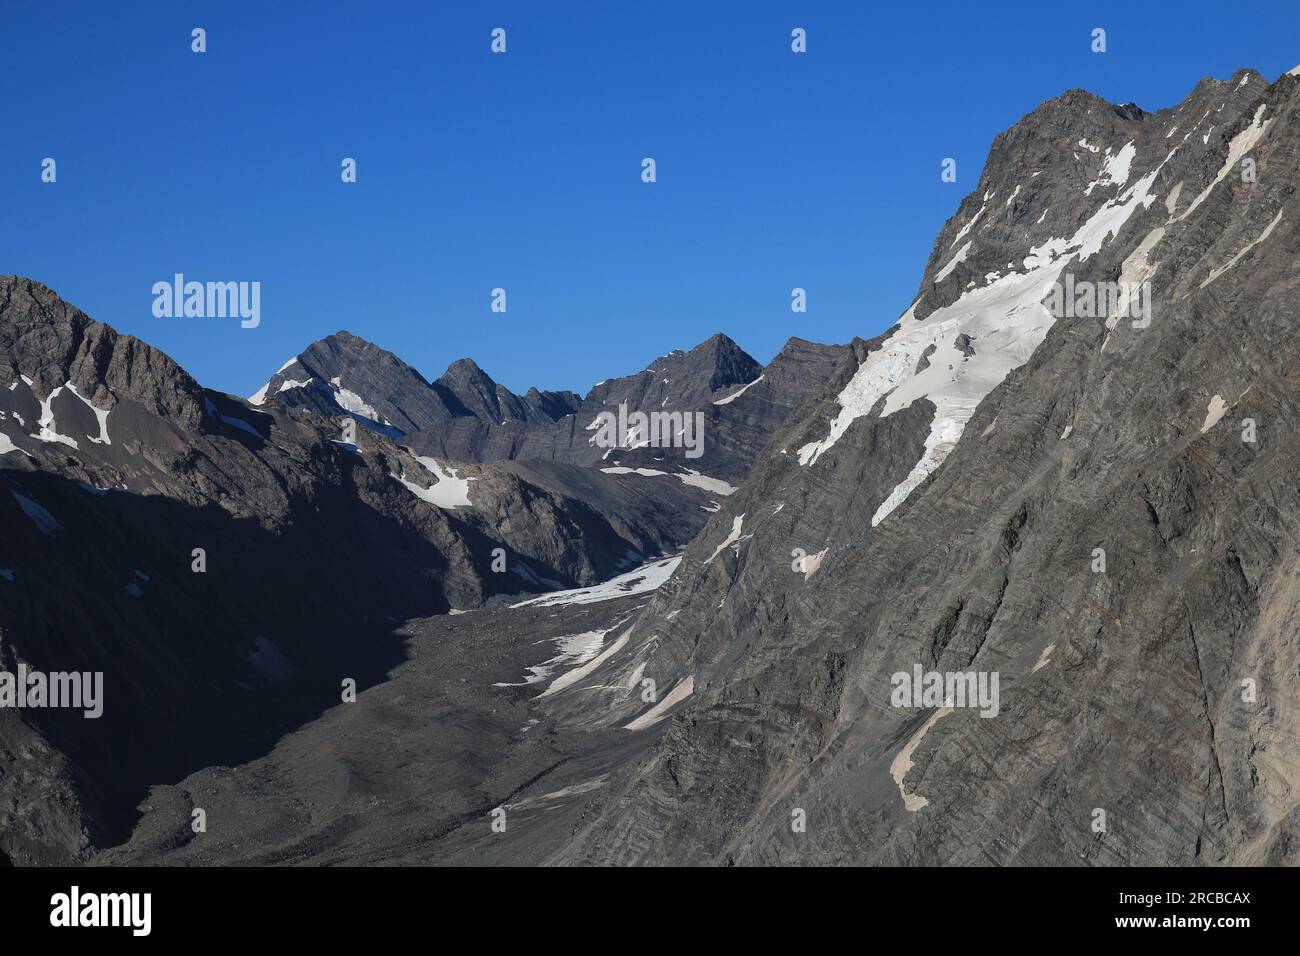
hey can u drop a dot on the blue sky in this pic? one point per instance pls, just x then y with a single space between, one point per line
522 170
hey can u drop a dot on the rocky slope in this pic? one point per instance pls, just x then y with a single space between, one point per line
950 497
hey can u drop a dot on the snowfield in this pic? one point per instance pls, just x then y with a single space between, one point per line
643 580
1005 321
449 492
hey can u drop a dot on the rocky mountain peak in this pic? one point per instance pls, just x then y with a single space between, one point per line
477 393
54 345
1069 173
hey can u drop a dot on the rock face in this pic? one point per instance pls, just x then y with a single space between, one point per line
1098 508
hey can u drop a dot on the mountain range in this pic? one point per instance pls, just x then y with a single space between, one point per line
1067 468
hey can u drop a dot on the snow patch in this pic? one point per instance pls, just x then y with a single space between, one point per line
242 426
44 521
687 477
574 651
715 485
556 796
1218 407
952 263
643 580
1241 144
941 440
48 429
450 491
739 392
643 472
1136 270
810 563
100 413
1171 201
569 678
732 538
233 422
903 762
1115 169
659 711
350 401
967 228
1251 245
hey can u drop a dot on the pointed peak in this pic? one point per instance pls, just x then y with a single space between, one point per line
345 341
720 339
465 364
466 370
718 343
726 345
340 339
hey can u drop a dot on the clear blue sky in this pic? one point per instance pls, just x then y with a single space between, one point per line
522 170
